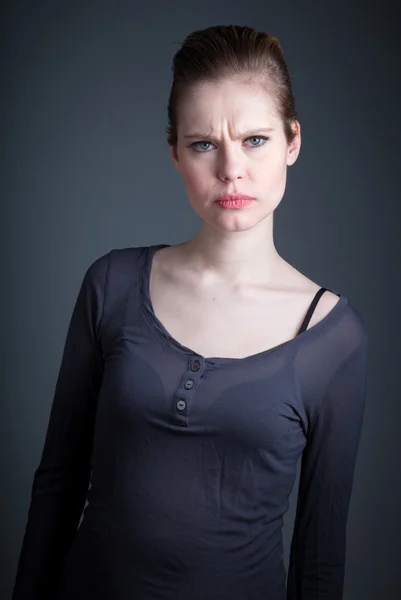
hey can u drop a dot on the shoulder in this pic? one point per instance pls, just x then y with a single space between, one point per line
116 259
114 271
350 325
325 305
346 331
304 291
113 277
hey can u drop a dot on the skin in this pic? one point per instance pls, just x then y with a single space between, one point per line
227 291
233 246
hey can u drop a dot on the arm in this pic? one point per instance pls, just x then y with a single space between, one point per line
317 557
61 479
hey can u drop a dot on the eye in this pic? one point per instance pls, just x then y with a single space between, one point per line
195 145
258 137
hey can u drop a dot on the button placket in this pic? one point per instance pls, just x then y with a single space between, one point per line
187 389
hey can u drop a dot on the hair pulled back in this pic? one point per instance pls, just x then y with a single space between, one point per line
233 52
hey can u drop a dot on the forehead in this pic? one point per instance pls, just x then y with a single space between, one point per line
237 102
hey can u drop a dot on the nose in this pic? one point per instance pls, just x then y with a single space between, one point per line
231 164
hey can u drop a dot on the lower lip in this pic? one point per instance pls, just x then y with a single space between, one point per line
234 203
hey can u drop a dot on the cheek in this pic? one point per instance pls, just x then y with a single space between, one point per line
196 176
273 173
277 172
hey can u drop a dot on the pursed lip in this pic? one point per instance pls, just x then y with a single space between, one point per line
234 197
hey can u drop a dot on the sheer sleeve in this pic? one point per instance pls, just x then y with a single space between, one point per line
61 480
317 556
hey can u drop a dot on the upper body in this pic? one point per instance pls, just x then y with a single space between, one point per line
187 395
191 457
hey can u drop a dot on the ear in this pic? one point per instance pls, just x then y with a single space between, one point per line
295 146
174 156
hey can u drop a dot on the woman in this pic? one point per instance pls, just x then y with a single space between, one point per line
195 376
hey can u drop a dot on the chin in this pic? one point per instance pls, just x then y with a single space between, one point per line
240 221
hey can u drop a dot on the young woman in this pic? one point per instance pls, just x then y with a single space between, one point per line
195 376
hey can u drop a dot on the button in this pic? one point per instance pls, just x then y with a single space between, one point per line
195 366
181 404
189 385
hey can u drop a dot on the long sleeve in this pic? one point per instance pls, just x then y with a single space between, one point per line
317 556
61 480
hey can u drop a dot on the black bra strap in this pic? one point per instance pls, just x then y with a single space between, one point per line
312 307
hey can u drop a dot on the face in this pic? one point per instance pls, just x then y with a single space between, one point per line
231 140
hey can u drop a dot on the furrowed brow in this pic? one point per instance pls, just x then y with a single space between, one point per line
209 136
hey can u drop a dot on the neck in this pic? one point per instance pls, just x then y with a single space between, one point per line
242 257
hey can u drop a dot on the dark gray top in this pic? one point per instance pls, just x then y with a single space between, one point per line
189 460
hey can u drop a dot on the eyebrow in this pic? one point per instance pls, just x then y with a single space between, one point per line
240 135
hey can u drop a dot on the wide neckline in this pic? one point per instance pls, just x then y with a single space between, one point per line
158 327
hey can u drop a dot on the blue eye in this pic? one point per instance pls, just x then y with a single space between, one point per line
195 145
257 137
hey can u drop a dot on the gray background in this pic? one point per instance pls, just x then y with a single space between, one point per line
85 168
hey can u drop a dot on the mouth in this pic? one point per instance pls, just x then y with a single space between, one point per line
234 200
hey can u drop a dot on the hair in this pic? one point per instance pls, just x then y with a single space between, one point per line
232 52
